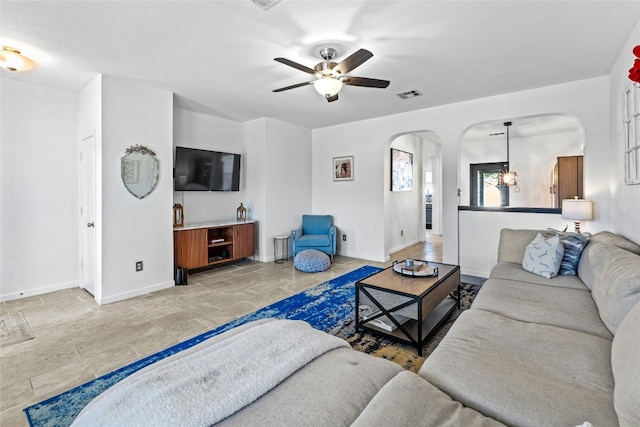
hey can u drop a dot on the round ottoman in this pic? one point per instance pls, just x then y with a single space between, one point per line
311 261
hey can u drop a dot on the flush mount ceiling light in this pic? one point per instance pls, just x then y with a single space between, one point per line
12 60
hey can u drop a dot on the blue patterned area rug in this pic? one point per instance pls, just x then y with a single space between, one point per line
328 307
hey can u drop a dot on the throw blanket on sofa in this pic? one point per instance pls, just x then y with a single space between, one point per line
206 386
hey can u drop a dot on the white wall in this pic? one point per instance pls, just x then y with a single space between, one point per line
404 211
357 205
39 194
196 130
625 199
587 100
432 152
480 232
288 180
133 229
276 173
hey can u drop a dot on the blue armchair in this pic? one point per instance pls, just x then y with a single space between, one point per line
317 232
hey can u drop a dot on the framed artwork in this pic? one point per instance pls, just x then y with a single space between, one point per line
401 170
343 168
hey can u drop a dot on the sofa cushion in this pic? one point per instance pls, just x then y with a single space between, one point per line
409 400
308 240
353 379
543 256
616 283
507 270
585 270
513 244
524 374
563 307
625 357
617 240
316 224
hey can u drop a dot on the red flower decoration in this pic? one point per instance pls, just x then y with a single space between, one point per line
634 72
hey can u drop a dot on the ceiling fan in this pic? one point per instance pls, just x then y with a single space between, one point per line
330 76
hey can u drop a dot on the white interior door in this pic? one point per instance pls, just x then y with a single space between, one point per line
88 240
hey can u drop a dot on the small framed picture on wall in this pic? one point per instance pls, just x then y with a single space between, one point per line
343 168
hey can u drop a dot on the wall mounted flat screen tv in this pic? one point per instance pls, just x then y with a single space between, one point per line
204 170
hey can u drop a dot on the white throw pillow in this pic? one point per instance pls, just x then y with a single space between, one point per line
543 256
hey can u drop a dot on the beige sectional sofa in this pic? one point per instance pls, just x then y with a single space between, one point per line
529 352
533 351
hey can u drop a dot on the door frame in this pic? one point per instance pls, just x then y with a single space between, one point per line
474 168
88 256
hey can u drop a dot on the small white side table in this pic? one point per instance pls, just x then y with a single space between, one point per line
283 242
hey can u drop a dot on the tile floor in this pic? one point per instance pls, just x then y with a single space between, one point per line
77 340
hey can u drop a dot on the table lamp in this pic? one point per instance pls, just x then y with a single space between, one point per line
577 210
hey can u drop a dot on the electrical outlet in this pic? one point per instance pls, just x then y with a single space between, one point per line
344 237
138 265
402 232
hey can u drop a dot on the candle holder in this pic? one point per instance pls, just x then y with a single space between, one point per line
241 213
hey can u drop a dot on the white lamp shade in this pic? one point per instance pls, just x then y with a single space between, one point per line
327 86
577 209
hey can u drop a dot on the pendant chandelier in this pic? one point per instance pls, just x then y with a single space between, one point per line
507 176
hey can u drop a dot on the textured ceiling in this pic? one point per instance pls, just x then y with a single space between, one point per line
217 56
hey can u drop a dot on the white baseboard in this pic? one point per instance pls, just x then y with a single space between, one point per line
403 246
135 293
39 291
474 272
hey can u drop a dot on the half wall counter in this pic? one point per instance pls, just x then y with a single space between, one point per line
479 232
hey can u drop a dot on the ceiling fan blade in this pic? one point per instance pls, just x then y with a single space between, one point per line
366 82
355 60
295 65
332 98
294 86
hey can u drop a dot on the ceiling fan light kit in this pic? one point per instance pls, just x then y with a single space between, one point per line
327 86
330 76
11 59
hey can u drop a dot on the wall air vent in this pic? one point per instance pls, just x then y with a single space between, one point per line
409 94
266 4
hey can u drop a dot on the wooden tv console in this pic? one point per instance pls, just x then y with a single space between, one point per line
204 245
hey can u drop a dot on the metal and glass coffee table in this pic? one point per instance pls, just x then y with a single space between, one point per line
405 305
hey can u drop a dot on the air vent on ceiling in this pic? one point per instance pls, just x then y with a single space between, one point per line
266 4
409 94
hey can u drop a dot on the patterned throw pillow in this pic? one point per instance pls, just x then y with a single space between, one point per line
574 244
543 256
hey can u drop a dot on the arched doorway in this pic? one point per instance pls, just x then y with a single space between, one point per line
411 215
536 143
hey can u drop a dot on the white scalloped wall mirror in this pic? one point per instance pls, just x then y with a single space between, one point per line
140 171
